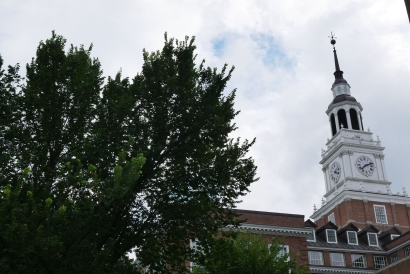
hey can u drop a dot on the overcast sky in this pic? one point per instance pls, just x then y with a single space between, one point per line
283 71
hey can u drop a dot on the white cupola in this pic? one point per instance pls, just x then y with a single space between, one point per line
344 111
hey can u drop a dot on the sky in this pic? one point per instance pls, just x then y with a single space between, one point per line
283 71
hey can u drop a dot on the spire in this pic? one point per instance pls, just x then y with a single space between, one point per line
338 73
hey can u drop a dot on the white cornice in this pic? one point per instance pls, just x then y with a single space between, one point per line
347 145
274 230
383 252
358 180
342 104
326 269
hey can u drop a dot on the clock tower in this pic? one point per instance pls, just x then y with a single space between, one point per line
356 183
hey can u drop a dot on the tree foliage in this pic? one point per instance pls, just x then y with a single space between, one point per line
245 253
91 171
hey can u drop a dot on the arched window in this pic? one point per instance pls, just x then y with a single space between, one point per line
353 118
341 114
333 123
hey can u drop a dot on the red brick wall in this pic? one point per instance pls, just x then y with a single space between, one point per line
297 245
271 218
362 213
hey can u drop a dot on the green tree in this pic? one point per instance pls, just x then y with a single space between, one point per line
245 253
139 166
10 114
59 102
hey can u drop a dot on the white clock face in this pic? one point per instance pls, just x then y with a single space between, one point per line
365 165
335 172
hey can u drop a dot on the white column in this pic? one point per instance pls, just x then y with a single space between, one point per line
337 122
326 181
330 122
359 120
349 122
383 167
346 164
378 167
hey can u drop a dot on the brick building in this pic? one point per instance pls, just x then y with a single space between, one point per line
361 226
290 227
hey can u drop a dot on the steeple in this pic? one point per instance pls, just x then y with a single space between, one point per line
340 85
338 73
344 111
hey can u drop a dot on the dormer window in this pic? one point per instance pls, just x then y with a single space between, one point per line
331 236
394 236
331 218
352 237
372 237
380 213
311 236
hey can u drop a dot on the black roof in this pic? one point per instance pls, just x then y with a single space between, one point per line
342 242
342 98
370 229
309 223
348 227
328 225
339 80
393 230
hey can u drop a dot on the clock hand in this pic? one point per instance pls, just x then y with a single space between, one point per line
366 165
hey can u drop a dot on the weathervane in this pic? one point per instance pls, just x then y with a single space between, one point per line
332 39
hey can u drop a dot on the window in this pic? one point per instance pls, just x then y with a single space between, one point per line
352 238
359 260
337 259
331 236
394 257
379 262
282 252
193 243
394 236
311 236
372 237
407 251
380 212
331 218
315 257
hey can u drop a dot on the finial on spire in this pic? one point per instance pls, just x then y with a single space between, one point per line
332 39
338 73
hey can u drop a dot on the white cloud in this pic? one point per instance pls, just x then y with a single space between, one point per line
284 70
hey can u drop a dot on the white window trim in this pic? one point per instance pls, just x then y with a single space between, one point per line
364 260
348 238
407 251
368 239
395 256
314 237
286 247
384 260
331 218
332 261
317 252
327 236
385 214
394 236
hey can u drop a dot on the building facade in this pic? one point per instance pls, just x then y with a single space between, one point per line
360 226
